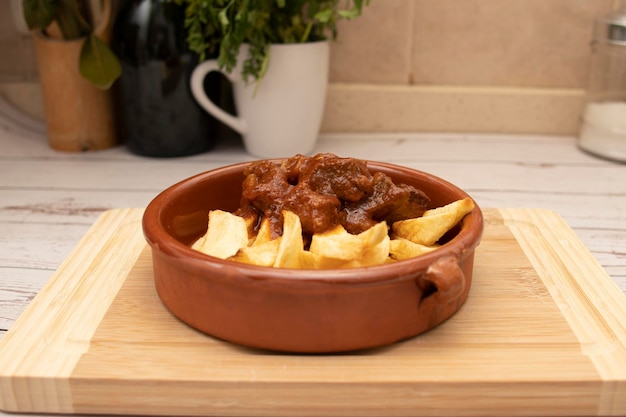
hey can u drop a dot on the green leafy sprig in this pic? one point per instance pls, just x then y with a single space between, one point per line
97 63
220 27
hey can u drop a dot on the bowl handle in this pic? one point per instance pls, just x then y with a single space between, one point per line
444 280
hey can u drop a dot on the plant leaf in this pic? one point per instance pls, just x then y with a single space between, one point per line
72 24
324 16
39 13
98 63
223 14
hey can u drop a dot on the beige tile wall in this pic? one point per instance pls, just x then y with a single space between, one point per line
463 65
518 43
516 66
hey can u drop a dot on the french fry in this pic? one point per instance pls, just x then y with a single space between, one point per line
401 249
375 255
263 254
264 234
310 260
225 235
291 243
429 228
339 244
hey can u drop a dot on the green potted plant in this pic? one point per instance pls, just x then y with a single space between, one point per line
226 25
76 69
276 54
97 63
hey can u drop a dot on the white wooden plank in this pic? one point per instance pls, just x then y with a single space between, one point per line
19 287
67 206
446 148
38 246
158 174
110 175
580 211
391 147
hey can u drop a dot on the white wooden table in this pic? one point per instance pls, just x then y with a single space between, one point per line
48 199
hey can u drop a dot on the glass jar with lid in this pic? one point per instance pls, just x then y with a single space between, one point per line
603 130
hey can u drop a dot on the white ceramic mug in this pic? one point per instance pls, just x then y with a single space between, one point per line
281 116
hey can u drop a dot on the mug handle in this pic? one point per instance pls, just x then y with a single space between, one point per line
197 89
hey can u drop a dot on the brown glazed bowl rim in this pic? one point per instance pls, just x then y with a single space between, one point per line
463 243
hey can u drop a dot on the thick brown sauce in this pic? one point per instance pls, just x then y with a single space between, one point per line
326 190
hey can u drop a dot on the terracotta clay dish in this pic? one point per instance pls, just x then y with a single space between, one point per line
306 311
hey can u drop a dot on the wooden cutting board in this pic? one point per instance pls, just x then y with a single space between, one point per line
542 333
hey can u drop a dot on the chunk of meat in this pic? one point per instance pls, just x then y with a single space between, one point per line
326 190
387 201
347 179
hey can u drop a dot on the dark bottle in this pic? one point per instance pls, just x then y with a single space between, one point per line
159 116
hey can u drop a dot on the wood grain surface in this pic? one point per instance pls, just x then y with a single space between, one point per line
542 333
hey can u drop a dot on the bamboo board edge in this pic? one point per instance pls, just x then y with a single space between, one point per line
587 296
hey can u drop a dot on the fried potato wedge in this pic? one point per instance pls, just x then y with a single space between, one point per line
339 244
263 254
429 228
264 234
400 249
225 235
310 260
291 243
375 255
